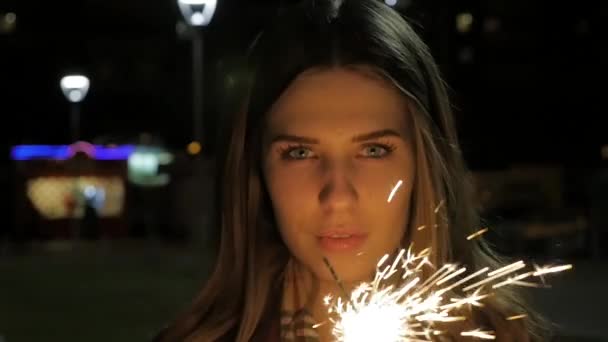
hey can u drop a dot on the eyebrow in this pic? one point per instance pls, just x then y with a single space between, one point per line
357 138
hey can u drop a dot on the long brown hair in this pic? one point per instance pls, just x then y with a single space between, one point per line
252 256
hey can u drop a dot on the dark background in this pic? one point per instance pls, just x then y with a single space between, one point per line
527 89
527 81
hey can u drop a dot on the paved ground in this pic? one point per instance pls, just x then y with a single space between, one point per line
99 293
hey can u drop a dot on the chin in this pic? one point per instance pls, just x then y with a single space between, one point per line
348 271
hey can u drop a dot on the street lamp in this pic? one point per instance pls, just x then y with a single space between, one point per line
75 89
197 13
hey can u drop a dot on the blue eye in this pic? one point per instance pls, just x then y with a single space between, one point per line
377 150
297 153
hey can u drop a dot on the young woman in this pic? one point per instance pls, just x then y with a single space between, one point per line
345 104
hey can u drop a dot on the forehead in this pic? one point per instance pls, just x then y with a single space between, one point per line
338 99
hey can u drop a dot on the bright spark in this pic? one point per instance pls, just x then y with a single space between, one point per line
438 206
477 233
546 270
485 335
390 196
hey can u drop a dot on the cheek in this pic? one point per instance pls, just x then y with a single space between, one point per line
385 198
386 186
388 204
291 194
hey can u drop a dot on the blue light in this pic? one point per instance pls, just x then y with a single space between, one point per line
114 153
27 152
64 152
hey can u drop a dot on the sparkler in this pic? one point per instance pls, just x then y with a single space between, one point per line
398 305
401 304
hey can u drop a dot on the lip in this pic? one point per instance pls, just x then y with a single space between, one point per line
341 231
341 240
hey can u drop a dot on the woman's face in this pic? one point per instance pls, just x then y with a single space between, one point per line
339 168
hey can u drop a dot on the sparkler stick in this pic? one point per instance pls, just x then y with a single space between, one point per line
336 278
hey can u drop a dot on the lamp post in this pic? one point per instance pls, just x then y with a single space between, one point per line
75 89
198 14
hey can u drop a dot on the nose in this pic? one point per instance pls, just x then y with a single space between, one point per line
338 192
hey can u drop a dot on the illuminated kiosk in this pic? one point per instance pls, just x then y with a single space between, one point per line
58 185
